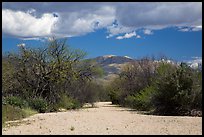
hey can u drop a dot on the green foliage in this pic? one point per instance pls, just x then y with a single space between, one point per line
7 76
114 97
115 91
39 104
135 77
10 113
142 100
68 103
174 92
29 111
16 101
43 75
103 94
130 101
196 96
162 88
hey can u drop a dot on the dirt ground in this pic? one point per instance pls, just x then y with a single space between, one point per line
105 119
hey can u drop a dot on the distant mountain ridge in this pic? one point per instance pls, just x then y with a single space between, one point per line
111 59
112 64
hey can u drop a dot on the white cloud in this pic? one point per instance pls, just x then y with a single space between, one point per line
184 29
118 29
138 36
127 57
191 28
128 35
154 15
196 60
120 37
148 32
21 45
32 12
197 28
23 24
32 19
65 24
80 23
30 38
158 15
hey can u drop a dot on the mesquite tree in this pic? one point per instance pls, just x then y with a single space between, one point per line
50 72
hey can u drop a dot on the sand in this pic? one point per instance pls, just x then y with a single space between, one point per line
105 119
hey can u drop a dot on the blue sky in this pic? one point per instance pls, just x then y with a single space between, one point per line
125 29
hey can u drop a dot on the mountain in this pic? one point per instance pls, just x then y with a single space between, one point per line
112 65
112 59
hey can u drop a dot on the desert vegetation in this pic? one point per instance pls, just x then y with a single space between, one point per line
159 87
47 79
58 77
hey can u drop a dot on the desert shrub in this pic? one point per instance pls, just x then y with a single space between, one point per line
10 113
68 103
103 93
39 104
76 104
47 73
175 92
16 101
129 101
134 77
115 91
114 97
196 96
142 100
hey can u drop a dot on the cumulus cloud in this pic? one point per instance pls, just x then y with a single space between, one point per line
138 36
188 29
116 29
197 28
61 24
195 61
185 29
158 15
23 24
82 22
21 45
34 19
147 32
128 35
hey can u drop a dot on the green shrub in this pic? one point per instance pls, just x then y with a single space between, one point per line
76 104
68 103
129 101
142 100
39 104
10 113
175 93
52 108
16 101
114 97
